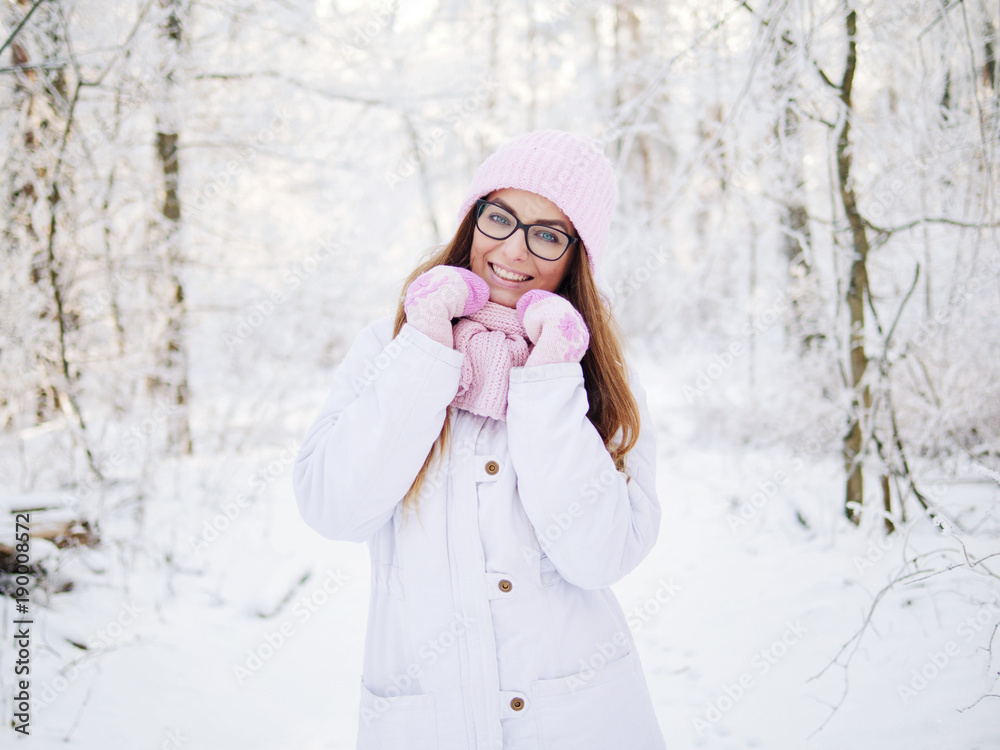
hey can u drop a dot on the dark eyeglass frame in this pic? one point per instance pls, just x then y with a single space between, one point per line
482 203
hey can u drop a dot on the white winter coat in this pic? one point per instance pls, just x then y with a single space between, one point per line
491 624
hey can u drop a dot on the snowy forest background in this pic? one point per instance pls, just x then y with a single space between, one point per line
204 201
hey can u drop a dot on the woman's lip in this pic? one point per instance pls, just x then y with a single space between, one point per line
506 282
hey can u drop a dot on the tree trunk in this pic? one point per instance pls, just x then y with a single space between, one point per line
794 214
857 289
173 379
33 236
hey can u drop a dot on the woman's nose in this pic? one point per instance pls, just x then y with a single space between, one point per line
515 247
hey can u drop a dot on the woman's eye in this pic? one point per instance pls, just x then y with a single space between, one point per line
546 236
500 219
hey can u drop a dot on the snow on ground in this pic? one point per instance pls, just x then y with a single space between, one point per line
215 618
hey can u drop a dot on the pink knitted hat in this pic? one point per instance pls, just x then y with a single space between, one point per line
568 169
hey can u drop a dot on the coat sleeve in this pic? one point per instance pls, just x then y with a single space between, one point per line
595 523
389 400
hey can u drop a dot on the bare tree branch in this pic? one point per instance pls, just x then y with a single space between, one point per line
18 28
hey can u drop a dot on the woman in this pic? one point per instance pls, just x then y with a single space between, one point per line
496 467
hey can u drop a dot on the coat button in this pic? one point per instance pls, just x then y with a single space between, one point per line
492 467
517 704
505 586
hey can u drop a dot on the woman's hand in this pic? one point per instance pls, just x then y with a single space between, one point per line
441 294
554 326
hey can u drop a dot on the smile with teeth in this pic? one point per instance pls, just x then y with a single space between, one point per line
506 275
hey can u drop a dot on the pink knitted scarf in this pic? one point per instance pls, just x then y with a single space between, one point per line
492 340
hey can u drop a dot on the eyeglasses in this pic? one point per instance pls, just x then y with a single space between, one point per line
545 242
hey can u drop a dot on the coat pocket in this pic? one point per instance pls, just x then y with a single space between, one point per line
388 579
599 708
390 723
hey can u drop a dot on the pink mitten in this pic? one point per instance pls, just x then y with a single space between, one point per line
554 326
437 296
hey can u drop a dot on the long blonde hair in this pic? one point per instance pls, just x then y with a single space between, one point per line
613 408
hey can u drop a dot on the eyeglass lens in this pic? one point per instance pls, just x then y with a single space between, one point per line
499 224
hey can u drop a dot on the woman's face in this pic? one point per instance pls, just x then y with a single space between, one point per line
506 265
